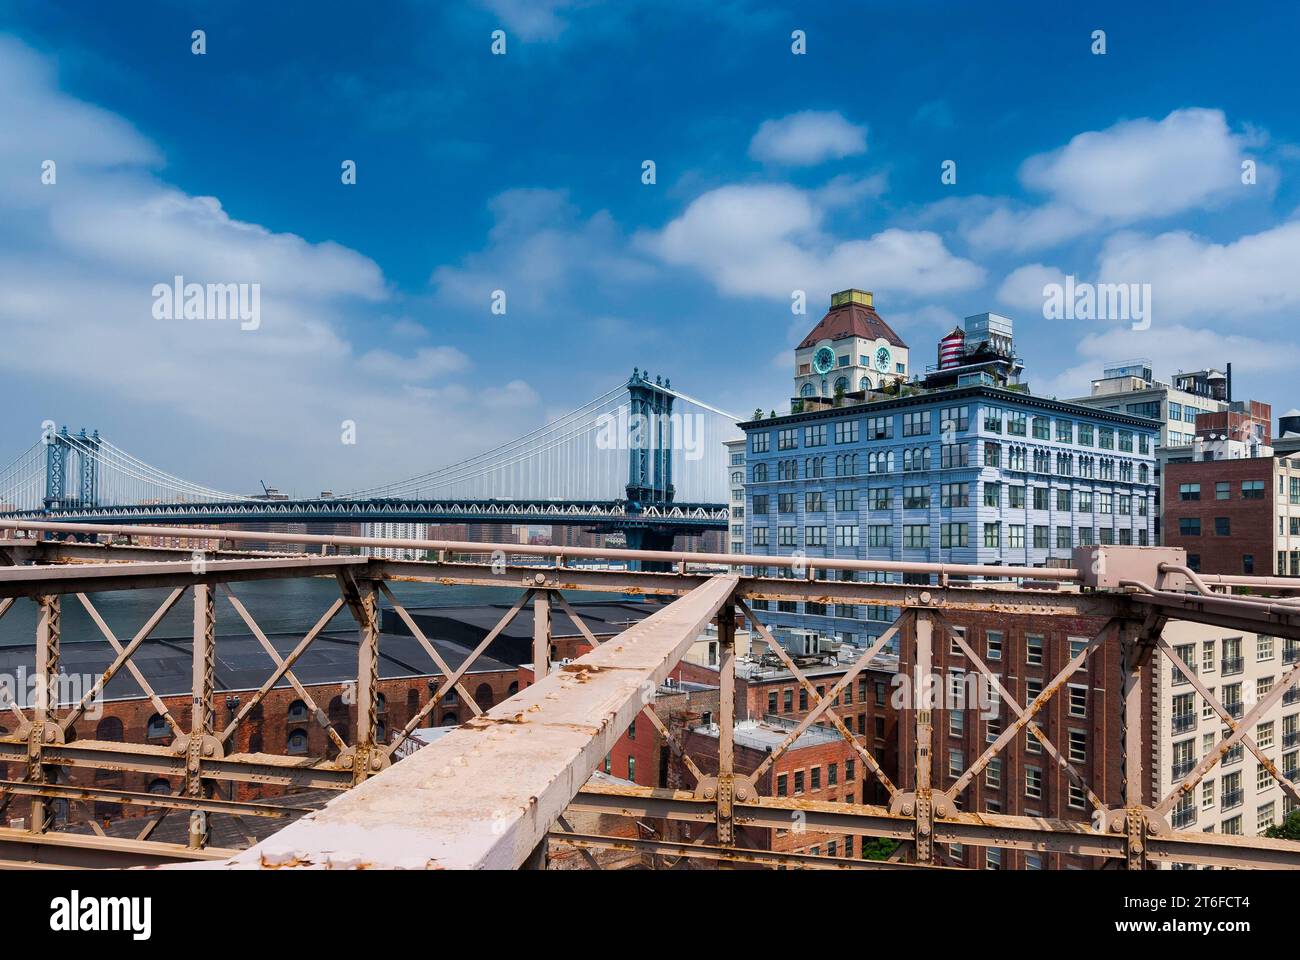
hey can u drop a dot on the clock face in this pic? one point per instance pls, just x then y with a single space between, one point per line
882 359
823 360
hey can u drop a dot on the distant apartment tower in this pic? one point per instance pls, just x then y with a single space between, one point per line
736 495
1239 795
395 531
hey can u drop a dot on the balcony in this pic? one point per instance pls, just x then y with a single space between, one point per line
1232 665
1289 740
1233 709
1291 696
1234 755
1231 798
1183 817
1292 774
1182 722
1291 654
1176 676
1180 768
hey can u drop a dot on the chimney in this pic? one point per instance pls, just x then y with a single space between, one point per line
1230 382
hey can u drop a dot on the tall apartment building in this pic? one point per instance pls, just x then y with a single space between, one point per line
974 474
1238 795
736 495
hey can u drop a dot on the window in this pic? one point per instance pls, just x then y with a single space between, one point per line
1016 497
1042 428
878 535
1252 489
1063 537
814 501
954 495
1263 648
993 773
846 500
993 535
1016 535
916 536
1078 700
846 431
878 498
814 536
954 419
1078 746
815 778
157 726
1221 527
760 536
916 497
815 436
916 424
956 763
1034 649
1064 431
880 428
1189 526
993 641
992 494
759 442
846 536
1034 783
992 454
782 785
953 535
798 782
297 742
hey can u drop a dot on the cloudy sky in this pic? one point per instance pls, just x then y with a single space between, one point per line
774 172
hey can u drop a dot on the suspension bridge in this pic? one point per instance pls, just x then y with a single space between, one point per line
642 458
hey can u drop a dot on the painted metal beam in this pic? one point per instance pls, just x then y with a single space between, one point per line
487 794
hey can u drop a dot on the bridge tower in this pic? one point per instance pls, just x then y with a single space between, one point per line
59 448
650 440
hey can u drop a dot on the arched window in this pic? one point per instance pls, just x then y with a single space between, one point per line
513 688
806 390
760 473
157 727
864 383
297 742
381 732
381 703
110 728
842 384
412 701
297 712
160 787
449 720
255 743
483 696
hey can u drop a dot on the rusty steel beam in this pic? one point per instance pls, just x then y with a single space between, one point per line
487 794
725 855
34 581
18 848
940 570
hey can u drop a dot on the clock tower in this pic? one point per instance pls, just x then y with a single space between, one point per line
850 351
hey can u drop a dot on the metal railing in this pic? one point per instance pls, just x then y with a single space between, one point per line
525 761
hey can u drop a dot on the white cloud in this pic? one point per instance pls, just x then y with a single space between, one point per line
79 259
538 249
807 138
1023 287
531 19
426 364
1135 170
1143 168
767 241
1252 277
1172 348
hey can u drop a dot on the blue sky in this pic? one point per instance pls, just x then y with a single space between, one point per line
522 172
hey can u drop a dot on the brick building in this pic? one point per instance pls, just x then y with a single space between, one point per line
1235 508
1026 652
819 765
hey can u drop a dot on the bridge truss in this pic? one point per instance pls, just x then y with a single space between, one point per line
500 791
